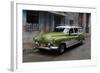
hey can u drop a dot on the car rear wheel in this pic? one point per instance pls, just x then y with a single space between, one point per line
61 49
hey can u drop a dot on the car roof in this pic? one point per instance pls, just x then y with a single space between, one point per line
68 27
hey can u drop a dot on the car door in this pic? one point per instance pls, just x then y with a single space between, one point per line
72 32
76 32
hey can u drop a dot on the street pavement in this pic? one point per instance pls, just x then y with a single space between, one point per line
78 52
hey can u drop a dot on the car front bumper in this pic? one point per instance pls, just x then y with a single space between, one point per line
47 48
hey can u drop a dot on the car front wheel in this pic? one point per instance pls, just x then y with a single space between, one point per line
61 49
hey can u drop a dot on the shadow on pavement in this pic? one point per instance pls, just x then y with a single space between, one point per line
49 52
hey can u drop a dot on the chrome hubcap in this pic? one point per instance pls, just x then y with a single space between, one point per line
62 49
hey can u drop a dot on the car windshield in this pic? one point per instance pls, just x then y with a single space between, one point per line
59 29
66 30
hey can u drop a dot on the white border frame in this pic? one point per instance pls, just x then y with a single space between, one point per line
16 60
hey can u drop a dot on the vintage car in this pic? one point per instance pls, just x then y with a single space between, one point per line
62 38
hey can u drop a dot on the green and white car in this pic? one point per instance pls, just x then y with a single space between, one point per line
62 38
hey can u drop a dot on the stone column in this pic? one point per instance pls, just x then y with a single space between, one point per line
24 19
90 24
47 22
41 21
52 23
76 20
66 20
62 20
84 22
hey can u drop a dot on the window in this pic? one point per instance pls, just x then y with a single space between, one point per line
32 17
71 22
32 20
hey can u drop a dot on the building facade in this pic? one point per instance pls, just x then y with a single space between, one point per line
39 22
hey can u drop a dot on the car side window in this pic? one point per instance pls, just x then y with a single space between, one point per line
75 30
71 30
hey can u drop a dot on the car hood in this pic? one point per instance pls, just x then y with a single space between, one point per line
54 36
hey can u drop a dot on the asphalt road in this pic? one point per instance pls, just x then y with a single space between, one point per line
78 52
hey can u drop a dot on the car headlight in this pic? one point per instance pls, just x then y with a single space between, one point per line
36 42
49 44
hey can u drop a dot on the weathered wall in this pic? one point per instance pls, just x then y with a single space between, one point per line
47 23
